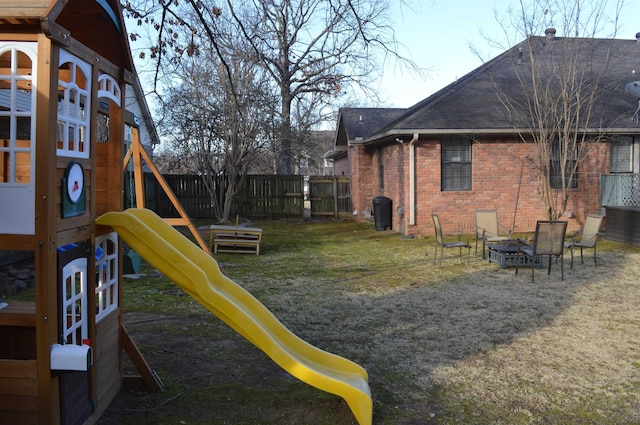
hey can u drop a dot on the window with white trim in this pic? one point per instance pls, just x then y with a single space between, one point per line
106 291
75 326
456 164
17 137
108 88
108 91
74 108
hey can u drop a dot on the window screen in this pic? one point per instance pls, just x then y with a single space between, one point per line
555 177
456 164
622 154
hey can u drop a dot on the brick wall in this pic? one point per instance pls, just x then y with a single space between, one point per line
504 178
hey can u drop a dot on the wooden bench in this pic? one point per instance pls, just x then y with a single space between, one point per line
235 239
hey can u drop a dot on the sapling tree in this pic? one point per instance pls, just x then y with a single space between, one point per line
561 80
218 131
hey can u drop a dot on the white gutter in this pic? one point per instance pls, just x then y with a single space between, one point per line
475 131
412 180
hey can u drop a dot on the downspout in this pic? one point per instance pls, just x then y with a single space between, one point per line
412 180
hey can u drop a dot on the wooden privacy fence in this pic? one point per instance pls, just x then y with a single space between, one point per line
269 196
330 196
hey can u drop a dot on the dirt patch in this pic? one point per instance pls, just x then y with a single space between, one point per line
213 376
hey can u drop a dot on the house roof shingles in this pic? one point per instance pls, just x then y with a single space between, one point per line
473 104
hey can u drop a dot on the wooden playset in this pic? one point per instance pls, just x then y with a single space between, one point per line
65 69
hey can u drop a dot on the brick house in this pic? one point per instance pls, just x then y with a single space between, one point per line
461 149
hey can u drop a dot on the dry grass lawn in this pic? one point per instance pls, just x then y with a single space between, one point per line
450 345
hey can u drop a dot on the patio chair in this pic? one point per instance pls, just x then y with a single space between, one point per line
487 229
587 239
547 242
440 242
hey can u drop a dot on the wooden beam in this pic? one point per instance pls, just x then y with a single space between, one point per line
149 378
45 230
137 154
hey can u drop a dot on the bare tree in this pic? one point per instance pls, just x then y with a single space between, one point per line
217 131
561 80
313 50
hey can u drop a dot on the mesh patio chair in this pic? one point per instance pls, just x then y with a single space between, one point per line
442 244
547 242
487 229
587 239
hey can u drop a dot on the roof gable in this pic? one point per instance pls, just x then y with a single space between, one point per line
473 101
476 102
361 123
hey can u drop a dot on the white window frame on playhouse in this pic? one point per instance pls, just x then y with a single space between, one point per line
17 208
74 302
106 291
74 108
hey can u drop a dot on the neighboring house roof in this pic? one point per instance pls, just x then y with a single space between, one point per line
475 103
137 104
358 124
335 154
316 144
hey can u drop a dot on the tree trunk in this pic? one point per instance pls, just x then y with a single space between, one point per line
285 166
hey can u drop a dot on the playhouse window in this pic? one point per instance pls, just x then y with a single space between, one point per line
108 88
17 127
16 103
74 107
74 324
106 290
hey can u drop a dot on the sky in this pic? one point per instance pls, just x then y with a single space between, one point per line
438 34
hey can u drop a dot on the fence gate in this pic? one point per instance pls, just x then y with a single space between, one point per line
330 196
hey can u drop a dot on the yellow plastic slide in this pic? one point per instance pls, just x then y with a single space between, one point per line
198 274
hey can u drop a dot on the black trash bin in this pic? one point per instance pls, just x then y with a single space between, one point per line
382 212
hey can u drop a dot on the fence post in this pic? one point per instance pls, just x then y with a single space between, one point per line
335 197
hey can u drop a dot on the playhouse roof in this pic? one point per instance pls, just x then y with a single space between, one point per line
475 103
96 24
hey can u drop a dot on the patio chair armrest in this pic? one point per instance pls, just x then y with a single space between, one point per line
573 236
480 228
505 229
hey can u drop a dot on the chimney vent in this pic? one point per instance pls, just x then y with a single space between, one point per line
520 56
550 33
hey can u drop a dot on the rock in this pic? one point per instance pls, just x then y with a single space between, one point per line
20 284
